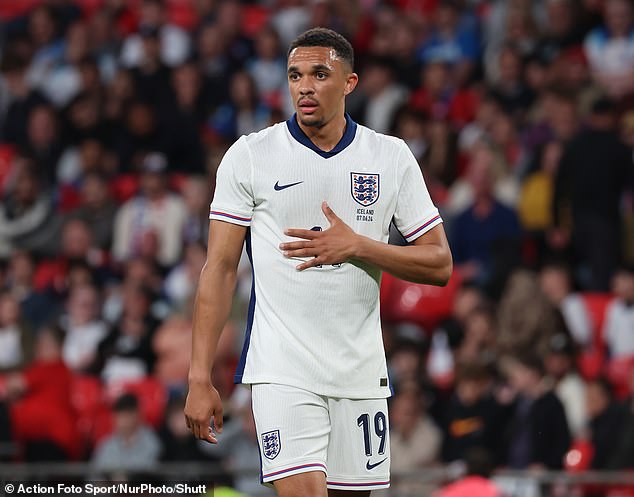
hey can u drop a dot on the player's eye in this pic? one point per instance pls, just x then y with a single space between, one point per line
293 76
321 75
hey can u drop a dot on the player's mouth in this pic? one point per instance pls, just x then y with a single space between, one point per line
307 106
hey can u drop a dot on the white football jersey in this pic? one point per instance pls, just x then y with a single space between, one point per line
318 329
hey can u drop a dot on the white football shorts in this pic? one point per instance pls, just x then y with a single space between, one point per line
299 431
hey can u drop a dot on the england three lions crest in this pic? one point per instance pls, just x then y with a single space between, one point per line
364 188
271 444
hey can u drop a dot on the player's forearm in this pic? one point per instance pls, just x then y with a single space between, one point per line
211 311
427 263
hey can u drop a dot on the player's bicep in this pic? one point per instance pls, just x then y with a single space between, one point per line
225 243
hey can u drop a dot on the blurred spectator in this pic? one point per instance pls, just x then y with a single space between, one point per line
619 322
451 42
610 49
535 206
183 116
594 171
174 42
561 30
48 47
268 67
213 61
27 220
556 284
84 330
137 272
88 157
152 222
63 81
76 248
36 307
509 88
131 447
406 361
44 144
151 75
478 342
539 436
568 385
21 98
486 231
15 337
477 480
379 95
42 416
96 209
242 114
181 282
137 133
172 346
526 319
196 194
606 418
415 440
472 417
126 353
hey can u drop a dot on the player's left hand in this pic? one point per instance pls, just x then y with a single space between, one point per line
332 246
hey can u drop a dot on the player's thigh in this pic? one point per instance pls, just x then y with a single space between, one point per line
359 448
310 484
293 429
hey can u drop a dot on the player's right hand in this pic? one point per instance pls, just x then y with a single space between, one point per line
203 403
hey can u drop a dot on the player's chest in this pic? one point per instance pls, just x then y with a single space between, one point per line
360 190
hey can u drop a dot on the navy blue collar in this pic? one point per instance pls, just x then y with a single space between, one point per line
300 136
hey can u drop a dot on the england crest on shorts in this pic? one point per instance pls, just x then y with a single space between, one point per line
271 444
364 188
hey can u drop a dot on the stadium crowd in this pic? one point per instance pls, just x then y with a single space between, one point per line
114 116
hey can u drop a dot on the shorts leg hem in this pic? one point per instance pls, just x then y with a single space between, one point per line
342 484
293 470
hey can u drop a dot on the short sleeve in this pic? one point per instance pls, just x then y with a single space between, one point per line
415 212
233 199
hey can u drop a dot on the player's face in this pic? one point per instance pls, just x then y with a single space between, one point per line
318 81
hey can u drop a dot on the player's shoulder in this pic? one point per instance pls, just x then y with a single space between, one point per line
274 132
370 137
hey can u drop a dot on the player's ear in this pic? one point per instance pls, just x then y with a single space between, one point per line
351 83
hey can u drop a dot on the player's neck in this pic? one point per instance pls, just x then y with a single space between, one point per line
327 136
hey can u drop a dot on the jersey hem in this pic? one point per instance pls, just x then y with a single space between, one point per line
293 469
383 393
345 484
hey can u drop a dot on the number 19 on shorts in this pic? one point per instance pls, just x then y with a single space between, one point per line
371 428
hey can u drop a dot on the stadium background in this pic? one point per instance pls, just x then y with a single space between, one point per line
113 118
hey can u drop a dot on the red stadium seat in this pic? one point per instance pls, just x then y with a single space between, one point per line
254 18
619 372
89 401
426 305
124 187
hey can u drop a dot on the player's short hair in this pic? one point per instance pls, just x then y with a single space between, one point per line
324 37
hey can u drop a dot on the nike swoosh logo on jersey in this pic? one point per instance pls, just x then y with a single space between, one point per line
369 466
279 187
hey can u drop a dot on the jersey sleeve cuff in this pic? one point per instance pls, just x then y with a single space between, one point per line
218 214
421 228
